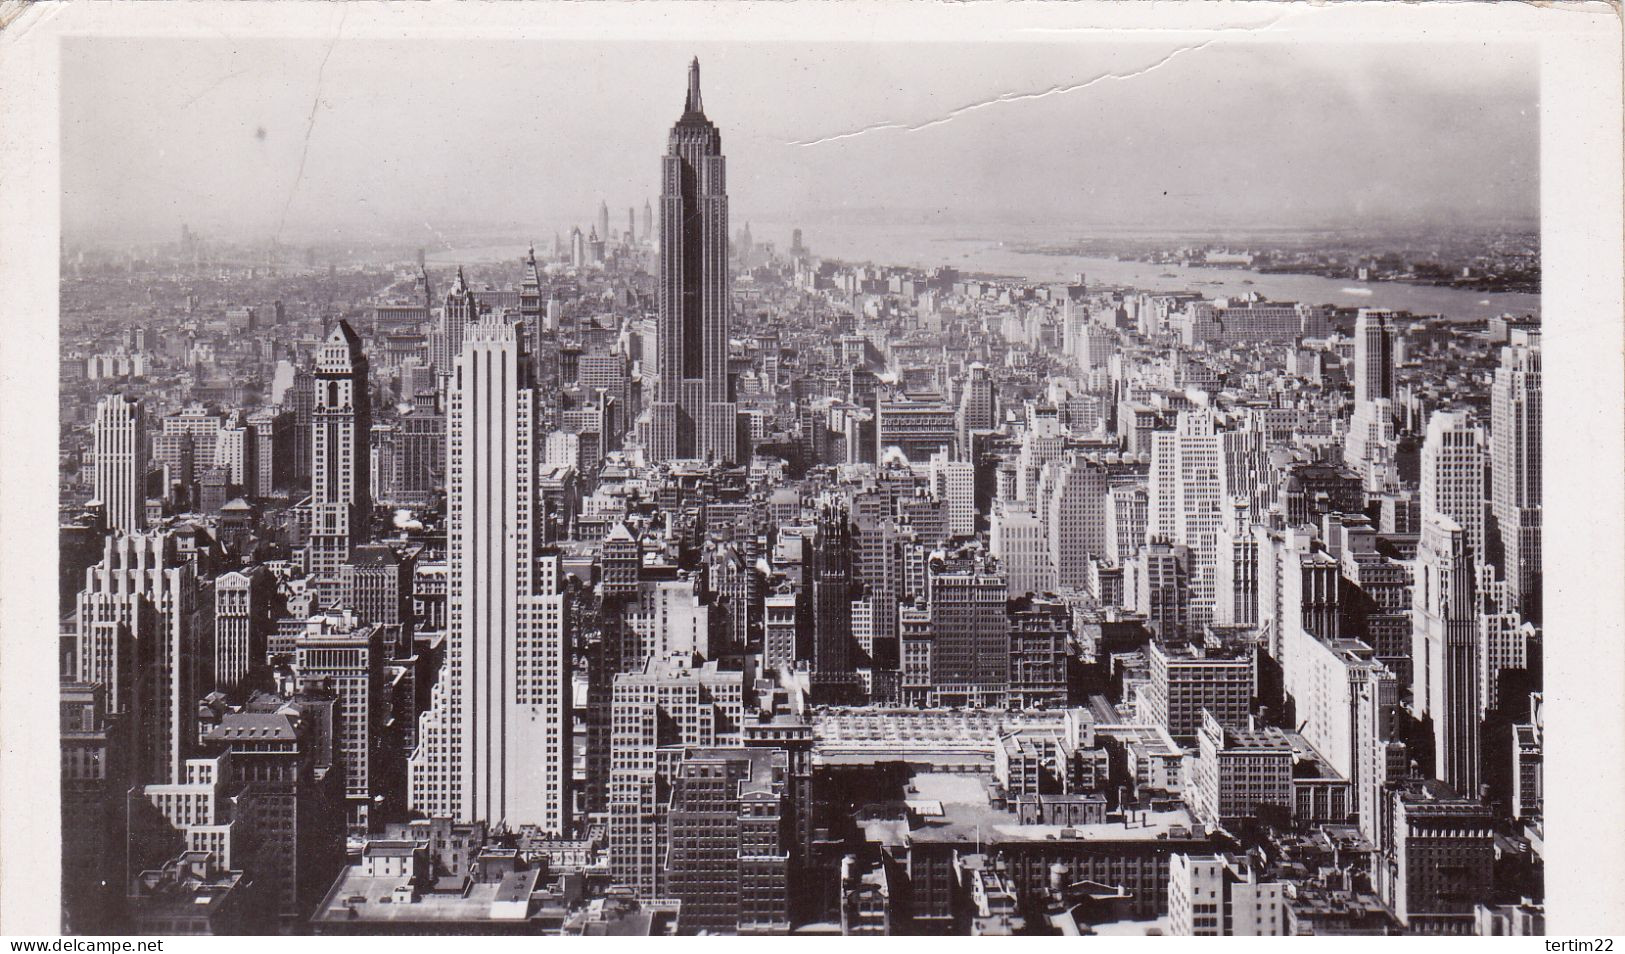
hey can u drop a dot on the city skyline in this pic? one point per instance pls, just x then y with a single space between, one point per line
667 581
1359 135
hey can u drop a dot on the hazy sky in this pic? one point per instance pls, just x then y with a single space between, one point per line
302 137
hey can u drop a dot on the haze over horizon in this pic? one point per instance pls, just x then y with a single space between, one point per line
423 142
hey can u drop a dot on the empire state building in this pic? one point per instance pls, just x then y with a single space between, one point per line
693 416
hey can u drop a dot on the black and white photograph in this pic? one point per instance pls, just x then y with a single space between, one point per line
662 470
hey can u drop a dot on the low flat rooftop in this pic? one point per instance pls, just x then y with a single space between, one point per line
967 817
1157 928
376 900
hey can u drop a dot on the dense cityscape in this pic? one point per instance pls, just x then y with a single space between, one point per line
663 579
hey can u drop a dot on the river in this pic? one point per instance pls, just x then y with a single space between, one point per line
988 256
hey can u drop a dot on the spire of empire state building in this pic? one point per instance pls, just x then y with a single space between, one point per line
692 104
693 415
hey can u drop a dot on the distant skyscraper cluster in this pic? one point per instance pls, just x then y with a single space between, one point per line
668 583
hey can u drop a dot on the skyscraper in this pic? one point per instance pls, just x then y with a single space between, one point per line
578 248
1017 538
671 704
692 415
302 398
495 743
121 462
1370 447
1186 495
1453 476
135 636
1074 514
954 483
340 464
446 343
602 227
1438 857
976 407
242 618
970 662
731 825
349 656
1515 473
1373 355
832 602
1444 650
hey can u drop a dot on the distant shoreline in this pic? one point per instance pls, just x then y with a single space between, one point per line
994 260
1520 288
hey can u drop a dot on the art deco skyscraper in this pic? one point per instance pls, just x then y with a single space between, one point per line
692 415
446 342
136 637
1373 355
340 460
1444 649
1187 491
1515 473
1453 475
495 743
121 460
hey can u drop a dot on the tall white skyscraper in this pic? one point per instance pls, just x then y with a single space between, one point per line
1042 442
1445 648
234 450
954 483
1453 475
341 471
1016 537
1186 493
1074 514
1345 709
1515 473
121 462
495 742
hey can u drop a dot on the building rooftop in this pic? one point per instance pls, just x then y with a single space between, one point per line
356 896
1154 738
967 817
375 555
761 778
189 885
623 916
252 726
1256 740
